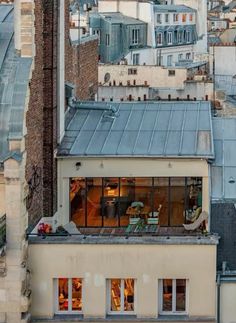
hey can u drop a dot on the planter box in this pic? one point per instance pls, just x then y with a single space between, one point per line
152 221
134 220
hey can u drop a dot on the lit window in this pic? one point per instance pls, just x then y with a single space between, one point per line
159 18
169 38
135 36
136 59
121 294
172 296
176 17
159 39
191 17
184 17
69 295
107 40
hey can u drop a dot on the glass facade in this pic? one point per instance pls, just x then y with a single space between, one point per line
117 201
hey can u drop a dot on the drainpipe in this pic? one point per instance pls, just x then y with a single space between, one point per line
218 299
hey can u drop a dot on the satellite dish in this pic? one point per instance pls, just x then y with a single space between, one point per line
107 77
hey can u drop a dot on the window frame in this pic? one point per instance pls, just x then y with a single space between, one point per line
161 36
160 297
159 21
135 39
170 38
108 300
188 36
56 299
107 40
136 61
176 17
167 18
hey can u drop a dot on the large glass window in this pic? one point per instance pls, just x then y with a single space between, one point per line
172 294
120 296
120 201
135 36
69 295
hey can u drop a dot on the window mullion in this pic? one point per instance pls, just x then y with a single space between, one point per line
174 295
122 296
69 294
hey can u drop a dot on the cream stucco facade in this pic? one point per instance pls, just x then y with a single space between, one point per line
126 167
146 263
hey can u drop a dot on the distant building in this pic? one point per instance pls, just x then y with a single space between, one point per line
118 34
174 32
189 81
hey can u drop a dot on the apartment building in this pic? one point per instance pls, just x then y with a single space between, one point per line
145 82
174 31
129 178
14 272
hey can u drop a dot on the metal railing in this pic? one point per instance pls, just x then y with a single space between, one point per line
2 231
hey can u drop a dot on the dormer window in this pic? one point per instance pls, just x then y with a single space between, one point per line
188 36
159 20
135 36
159 39
169 37
176 17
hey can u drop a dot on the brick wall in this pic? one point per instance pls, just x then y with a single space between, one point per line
81 63
41 114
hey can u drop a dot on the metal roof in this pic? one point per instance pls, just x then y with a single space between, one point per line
119 18
173 8
142 129
14 76
224 165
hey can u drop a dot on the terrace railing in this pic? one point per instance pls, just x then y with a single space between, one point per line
2 231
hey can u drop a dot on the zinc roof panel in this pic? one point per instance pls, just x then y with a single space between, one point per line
158 143
135 119
142 143
96 142
81 142
127 143
111 143
229 152
172 144
149 120
188 144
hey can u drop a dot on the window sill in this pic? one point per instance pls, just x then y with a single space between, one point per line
126 317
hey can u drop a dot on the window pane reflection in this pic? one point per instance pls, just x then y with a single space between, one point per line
94 199
129 295
177 203
78 200
160 199
180 294
110 200
76 294
167 295
63 294
115 295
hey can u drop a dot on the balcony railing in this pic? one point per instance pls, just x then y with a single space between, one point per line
2 231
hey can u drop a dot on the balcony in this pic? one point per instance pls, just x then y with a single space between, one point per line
2 231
